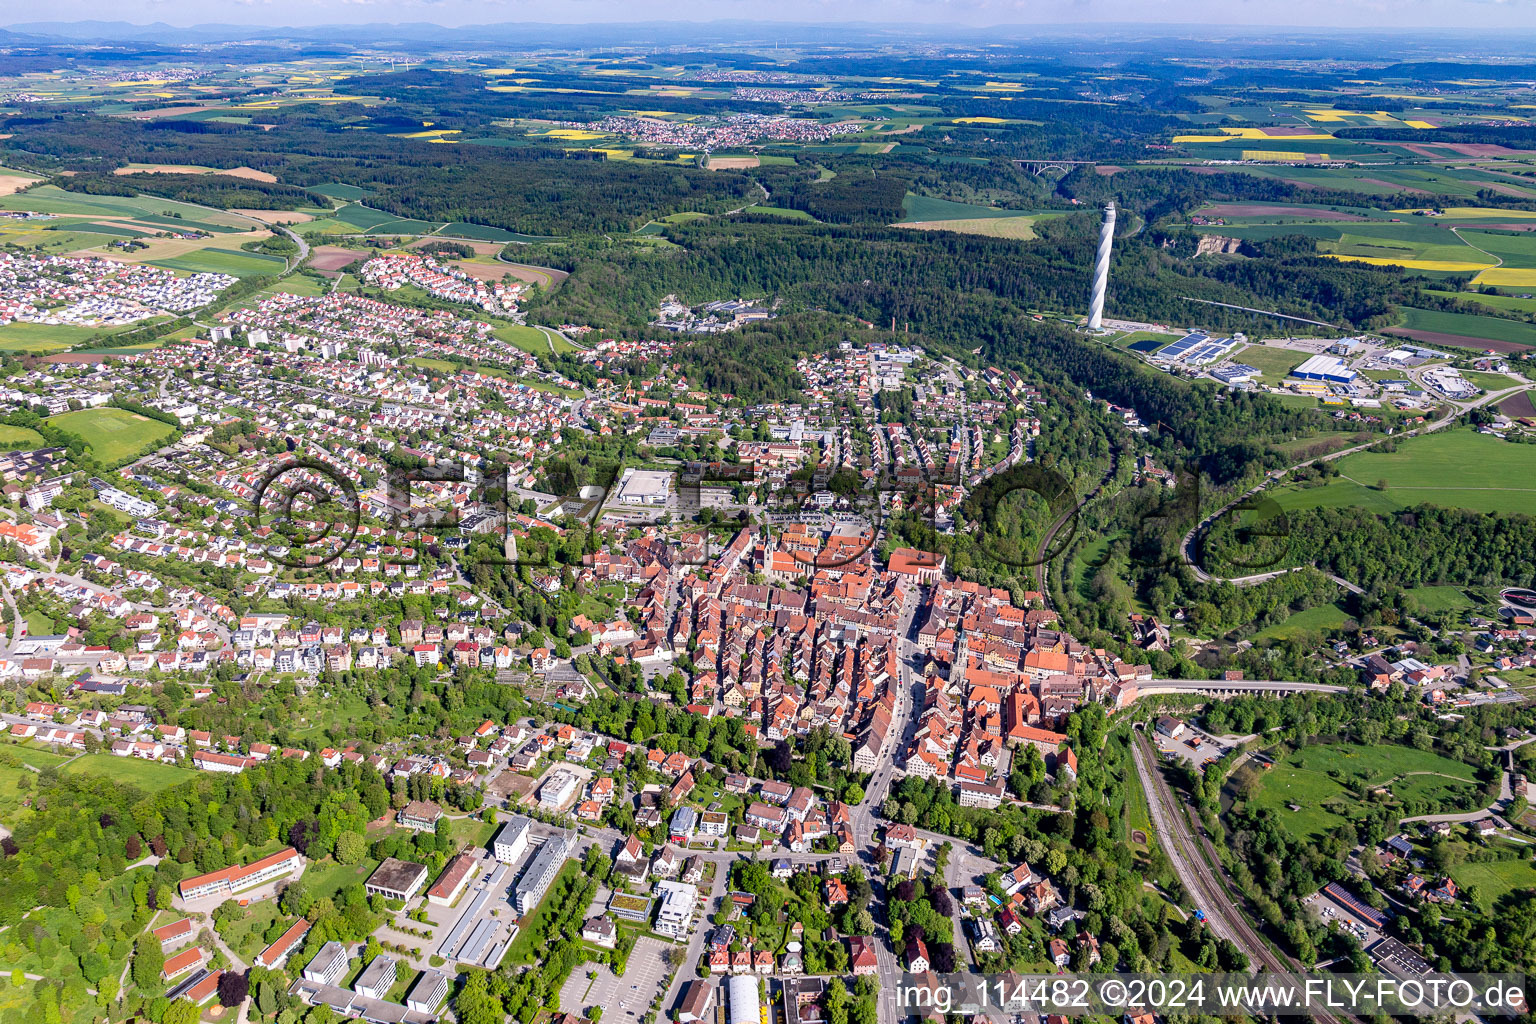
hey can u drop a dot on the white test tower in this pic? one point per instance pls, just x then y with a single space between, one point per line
1101 269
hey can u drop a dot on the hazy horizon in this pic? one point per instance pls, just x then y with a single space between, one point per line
1466 17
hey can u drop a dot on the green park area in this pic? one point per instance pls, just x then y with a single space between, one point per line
1316 790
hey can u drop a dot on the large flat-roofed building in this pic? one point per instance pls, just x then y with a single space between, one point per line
1325 368
396 879
557 790
511 842
541 871
230 880
675 905
644 487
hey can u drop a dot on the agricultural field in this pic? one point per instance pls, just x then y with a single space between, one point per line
225 261
1465 330
145 211
40 339
1502 303
1452 468
918 208
1020 228
113 434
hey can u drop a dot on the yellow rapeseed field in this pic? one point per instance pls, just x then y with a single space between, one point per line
1387 261
1508 277
1479 212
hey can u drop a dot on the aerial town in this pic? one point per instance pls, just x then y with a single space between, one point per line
656 535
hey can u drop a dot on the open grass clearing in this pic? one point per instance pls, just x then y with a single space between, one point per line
1496 879
1317 619
1274 363
1439 600
19 439
149 776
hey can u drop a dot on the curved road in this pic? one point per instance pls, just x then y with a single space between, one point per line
1187 546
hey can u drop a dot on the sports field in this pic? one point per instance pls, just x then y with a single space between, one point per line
1454 468
113 434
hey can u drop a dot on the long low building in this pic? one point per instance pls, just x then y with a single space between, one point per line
453 880
230 880
541 872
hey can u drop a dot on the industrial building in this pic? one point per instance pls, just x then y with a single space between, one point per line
541 872
1325 368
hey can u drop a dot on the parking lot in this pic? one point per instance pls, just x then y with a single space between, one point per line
623 999
1329 909
1197 747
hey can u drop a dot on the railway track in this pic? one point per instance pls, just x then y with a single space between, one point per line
1196 863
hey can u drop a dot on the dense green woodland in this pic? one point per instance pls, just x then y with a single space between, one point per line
219 190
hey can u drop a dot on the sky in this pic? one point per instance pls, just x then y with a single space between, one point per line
1493 15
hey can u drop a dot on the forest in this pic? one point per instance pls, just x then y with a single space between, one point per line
223 191
1415 547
